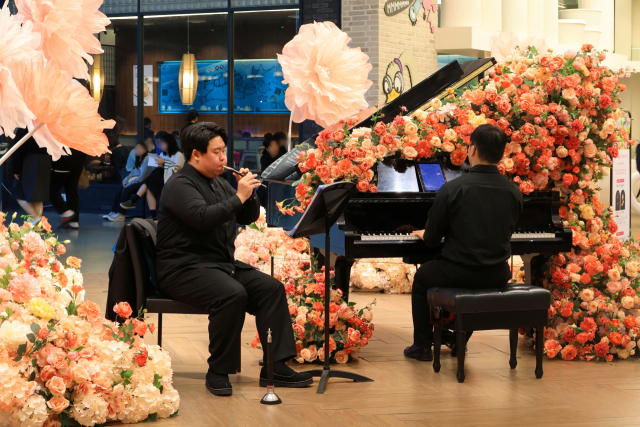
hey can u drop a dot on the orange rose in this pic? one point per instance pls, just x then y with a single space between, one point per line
58 403
47 373
56 385
74 262
342 357
409 152
363 185
380 129
123 309
299 245
61 249
80 374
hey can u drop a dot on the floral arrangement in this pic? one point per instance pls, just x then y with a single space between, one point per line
352 328
257 243
60 362
304 284
388 274
561 114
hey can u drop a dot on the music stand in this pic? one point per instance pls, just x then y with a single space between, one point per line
325 208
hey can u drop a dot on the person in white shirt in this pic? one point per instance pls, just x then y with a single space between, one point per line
169 162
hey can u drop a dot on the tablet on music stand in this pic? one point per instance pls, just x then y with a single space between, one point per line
323 211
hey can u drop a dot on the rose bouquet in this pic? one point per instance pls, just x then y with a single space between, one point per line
352 328
59 360
561 115
388 274
257 243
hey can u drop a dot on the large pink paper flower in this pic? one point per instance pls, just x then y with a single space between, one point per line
67 28
327 80
66 108
16 42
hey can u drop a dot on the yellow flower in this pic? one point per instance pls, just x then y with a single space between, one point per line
40 308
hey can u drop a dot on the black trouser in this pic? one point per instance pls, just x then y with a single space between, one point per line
442 274
124 194
226 298
68 181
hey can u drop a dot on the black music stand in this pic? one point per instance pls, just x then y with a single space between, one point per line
325 208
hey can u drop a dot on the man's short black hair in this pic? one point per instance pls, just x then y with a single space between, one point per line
146 122
198 135
490 141
192 115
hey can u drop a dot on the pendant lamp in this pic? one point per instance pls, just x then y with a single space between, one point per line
188 77
96 77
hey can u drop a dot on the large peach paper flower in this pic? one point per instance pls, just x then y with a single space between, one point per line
67 28
67 110
16 42
327 79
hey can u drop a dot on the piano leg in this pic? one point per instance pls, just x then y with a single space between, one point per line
528 276
343 274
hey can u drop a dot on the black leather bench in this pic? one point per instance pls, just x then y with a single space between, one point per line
511 307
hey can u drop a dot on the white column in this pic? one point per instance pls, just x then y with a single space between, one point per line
550 20
492 15
514 17
461 13
535 18
607 20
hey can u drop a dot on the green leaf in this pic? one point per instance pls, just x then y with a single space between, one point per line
32 376
254 226
153 417
156 381
309 327
31 338
35 328
17 359
126 374
21 349
64 419
9 311
175 414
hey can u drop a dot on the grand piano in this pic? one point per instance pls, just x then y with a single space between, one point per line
378 225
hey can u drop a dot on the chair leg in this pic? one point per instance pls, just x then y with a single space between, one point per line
437 342
160 329
513 345
539 350
461 345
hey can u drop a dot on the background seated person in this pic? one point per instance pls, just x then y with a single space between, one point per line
195 260
476 214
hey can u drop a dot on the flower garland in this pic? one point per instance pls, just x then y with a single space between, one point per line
561 115
61 361
388 274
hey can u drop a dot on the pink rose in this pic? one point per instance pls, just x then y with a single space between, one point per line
47 373
570 54
345 312
614 287
57 358
293 310
56 385
24 287
80 374
342 357
58 403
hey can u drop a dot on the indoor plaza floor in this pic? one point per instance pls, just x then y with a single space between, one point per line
404 392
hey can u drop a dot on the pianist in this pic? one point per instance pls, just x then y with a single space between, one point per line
195 259
476 215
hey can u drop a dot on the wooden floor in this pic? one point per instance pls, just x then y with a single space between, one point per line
405 392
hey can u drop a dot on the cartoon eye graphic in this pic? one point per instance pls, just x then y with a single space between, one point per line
398 82
387 85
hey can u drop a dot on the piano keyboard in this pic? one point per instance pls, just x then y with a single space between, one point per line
401 237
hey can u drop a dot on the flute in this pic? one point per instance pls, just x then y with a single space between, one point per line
238 172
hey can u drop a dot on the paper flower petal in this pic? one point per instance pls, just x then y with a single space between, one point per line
327 79
67 28
16 42
68 111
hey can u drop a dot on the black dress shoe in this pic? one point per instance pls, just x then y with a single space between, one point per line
286 378
419 353
218 384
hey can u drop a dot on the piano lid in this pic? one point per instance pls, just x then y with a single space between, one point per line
437 85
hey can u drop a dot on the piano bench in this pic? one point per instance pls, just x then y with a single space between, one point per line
510 307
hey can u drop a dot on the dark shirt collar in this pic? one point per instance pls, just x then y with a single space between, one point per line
485 169
189 170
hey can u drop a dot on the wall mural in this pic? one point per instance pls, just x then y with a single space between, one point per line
258 87
394 82
394 7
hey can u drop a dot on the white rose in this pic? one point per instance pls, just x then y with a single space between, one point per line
623 353
12 334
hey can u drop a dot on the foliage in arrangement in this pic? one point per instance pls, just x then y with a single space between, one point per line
304 284
61 363
562 116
